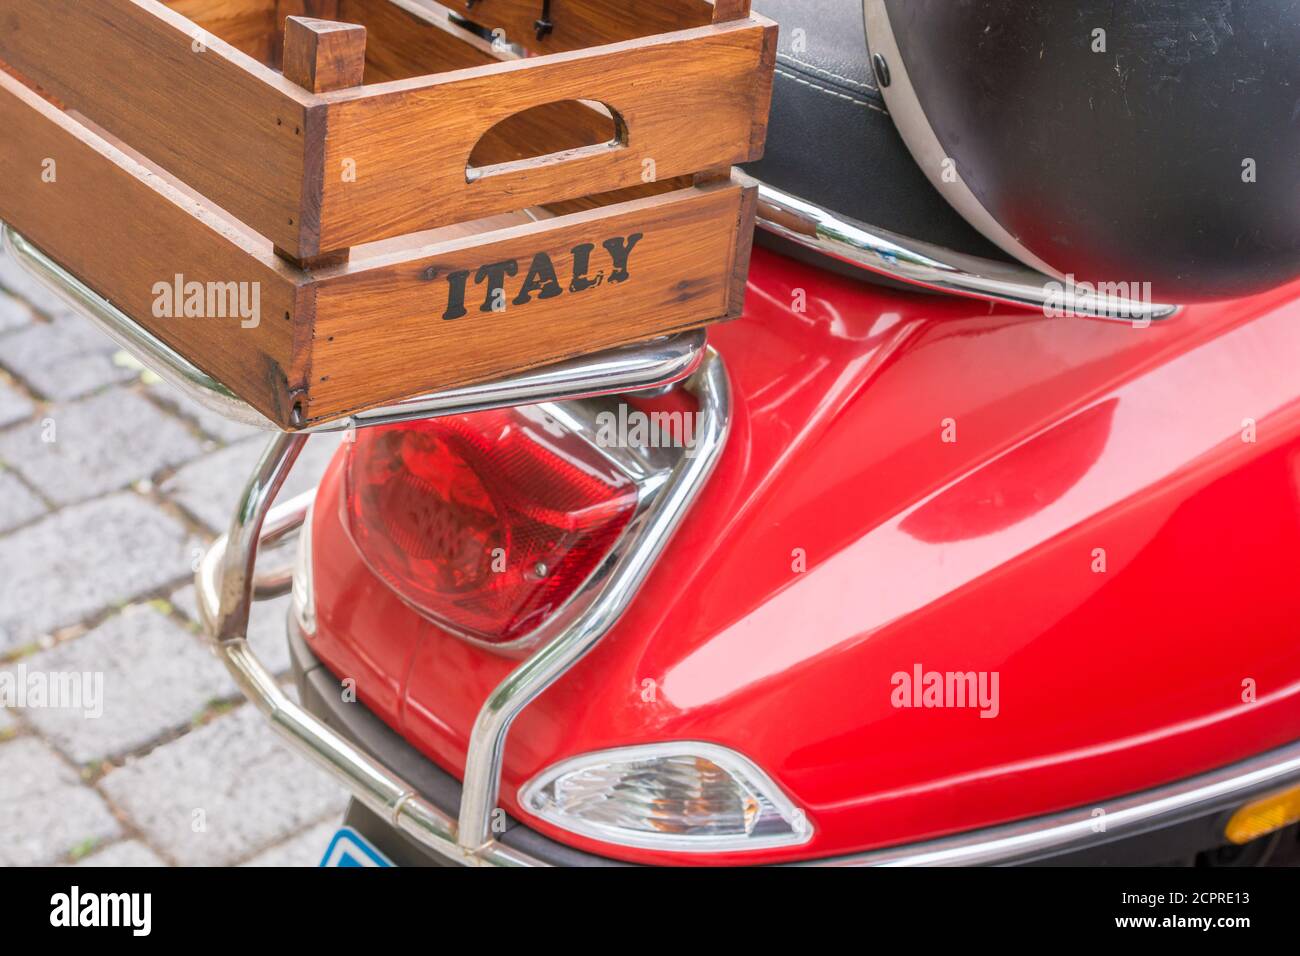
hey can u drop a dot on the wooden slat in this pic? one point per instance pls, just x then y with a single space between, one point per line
247 25
411 42
408 40
254 143
583 23
681 273
123 230
322 56
724 10
410 141
228 126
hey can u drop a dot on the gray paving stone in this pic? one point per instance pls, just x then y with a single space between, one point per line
8 726
100 444
46 811
18 504
17 280
223 792
83 559
209 487
127 853
217 426
305 849
156 678
266 631
14 405
14 313
63 359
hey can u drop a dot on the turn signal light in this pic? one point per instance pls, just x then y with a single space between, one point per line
683 796
488 523
1261 817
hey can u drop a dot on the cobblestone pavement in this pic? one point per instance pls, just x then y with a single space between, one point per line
109 487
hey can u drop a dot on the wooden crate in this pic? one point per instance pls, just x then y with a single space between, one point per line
409 205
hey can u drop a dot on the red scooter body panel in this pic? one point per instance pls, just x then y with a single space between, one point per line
1105 517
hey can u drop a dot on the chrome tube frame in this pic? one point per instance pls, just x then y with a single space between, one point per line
932 267
227 580
225 584
282 521
1125 816
554 657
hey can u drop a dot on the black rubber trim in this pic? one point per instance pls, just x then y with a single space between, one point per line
1175 842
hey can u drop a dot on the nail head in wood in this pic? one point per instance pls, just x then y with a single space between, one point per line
322 55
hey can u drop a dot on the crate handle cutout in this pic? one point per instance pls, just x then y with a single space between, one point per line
618 139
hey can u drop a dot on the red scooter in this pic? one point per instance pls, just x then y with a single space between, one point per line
945 552
936 580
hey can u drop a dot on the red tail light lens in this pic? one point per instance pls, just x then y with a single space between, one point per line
484 523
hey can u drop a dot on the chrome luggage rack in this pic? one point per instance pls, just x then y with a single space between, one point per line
228 581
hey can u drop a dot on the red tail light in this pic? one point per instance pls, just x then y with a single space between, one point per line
486 523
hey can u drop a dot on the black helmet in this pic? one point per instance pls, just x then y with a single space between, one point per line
1111 140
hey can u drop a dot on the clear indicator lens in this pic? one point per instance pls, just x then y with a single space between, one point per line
668 797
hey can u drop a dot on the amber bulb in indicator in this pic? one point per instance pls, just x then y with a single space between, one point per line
1261 817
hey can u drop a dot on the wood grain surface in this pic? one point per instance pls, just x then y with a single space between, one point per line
410 141
376 329
583 23
212 116
380 225
324 55
247 25
476 139
123 230
680 274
